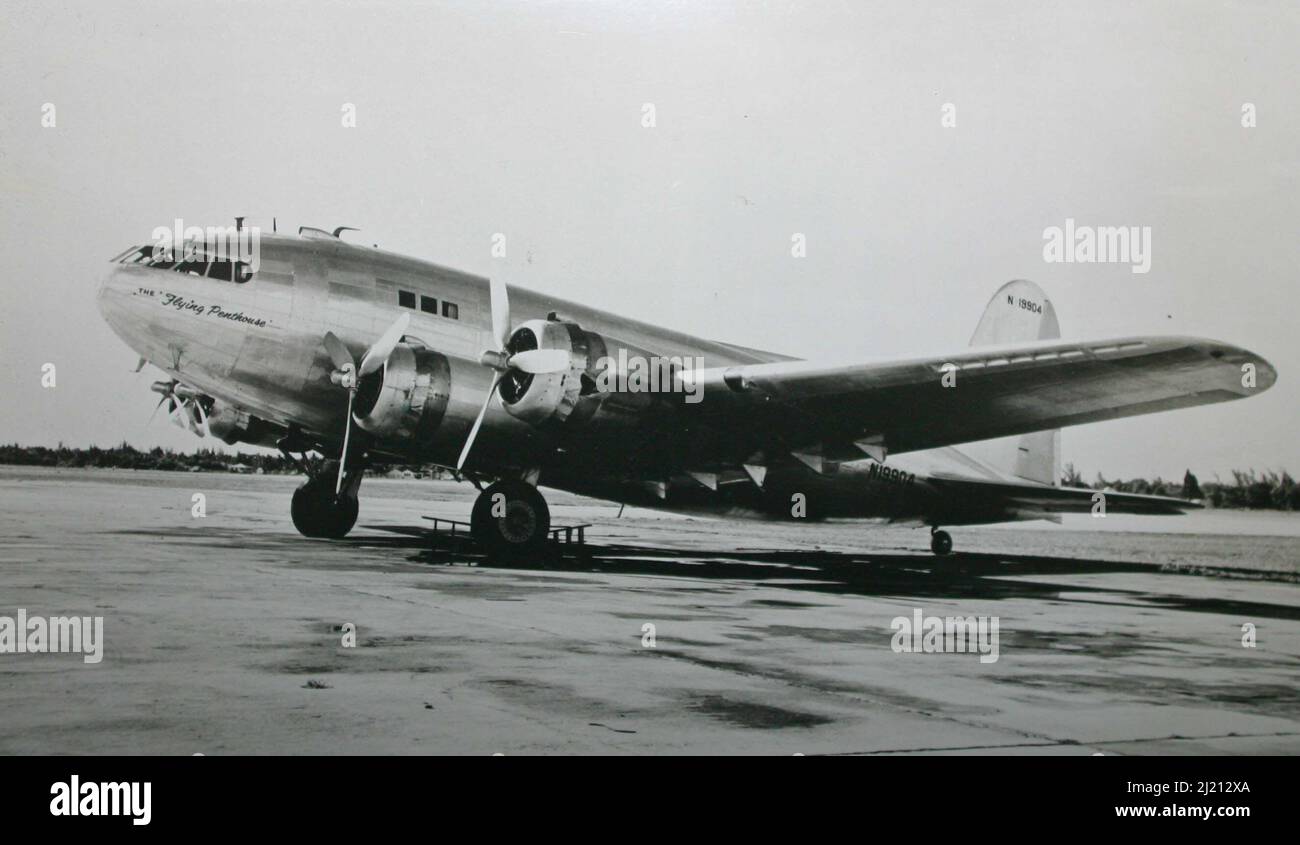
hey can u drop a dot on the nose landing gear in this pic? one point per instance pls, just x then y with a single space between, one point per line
940 542
510 518
318 512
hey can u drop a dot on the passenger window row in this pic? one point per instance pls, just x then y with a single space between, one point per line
428 304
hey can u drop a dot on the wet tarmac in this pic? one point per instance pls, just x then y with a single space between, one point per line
224 634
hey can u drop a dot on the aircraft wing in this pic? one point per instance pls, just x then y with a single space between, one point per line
996 392
1040 497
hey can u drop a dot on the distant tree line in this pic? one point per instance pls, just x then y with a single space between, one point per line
1267 490
126 456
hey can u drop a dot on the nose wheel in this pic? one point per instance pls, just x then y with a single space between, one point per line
510 518
940 542
318 512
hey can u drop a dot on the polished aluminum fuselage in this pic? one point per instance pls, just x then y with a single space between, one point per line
257 346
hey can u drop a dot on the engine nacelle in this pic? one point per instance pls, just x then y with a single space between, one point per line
406 398
232 425
573 396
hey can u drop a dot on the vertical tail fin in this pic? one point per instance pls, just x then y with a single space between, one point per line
1019 313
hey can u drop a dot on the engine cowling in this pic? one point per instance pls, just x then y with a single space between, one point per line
573 396
406 398
232 425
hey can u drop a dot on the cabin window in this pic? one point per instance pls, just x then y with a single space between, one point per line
450 310
406 299
429 305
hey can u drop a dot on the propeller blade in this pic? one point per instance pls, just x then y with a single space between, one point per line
539 361
338 353
473 432
378 353
176 413
203 418
155 410
500 312
343 455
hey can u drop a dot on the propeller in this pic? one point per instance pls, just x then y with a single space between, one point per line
506 362
348 372
183 408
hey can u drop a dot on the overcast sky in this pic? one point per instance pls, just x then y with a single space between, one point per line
771 119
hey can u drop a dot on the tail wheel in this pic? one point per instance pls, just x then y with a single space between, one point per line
511 517
940 542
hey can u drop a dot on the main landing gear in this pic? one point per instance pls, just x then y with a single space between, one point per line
940 542
318 511
510 518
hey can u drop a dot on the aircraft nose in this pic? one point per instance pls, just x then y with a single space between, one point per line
109 295
114 299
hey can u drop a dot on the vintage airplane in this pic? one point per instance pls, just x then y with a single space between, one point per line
362 355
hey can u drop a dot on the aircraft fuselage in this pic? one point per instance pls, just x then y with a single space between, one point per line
257 347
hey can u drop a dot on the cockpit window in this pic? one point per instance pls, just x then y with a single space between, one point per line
143 255
195 267
160 260
135 255
195 263
230 271
219 270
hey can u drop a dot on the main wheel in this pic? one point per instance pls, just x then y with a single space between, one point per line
511 518
940 543
317 512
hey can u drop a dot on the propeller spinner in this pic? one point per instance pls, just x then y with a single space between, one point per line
506 362
348 372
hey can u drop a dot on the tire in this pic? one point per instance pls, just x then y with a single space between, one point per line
941 543
317 512
524 527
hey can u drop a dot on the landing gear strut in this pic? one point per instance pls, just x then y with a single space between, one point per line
510 518
940 542
318 512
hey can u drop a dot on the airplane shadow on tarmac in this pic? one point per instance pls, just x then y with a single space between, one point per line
958 576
